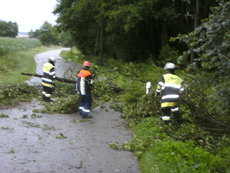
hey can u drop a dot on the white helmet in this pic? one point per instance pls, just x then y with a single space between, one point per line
169 65
52 59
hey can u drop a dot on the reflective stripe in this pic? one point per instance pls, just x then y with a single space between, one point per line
52 73
168 104
170 97
82 86
48 95
158 90
47 85
81 107
85 110
173 86
166 118
47 80
175 109
161 84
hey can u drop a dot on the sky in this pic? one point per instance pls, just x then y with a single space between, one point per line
28 14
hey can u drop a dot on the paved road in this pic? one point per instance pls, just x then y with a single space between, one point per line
63 68
62 143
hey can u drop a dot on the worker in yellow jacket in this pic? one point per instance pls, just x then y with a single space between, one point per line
47 79
170 88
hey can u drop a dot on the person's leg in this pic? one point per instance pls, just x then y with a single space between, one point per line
87 105
166 115
81 106
176 114
48 93
44 93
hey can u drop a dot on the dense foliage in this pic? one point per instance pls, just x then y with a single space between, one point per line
209 44
11 94
209 51
134 30
51 35
8 29
8 45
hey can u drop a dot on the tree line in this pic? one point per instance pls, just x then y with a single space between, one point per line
8 29
130 29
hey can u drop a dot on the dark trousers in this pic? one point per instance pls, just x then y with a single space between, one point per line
85 104
47 92
168 111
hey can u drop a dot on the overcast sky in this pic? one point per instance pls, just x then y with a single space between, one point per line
28 14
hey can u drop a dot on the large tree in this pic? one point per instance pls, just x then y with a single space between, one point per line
8 29
128 29
47 34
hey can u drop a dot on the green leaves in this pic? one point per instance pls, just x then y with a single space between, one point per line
210 41
48 34
13 93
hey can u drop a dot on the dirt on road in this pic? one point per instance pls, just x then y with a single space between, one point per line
62 143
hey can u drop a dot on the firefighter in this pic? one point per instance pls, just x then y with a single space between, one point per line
47 79
170 87
84 85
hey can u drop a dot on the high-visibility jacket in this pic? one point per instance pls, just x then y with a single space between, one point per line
48 75
170 86
84 78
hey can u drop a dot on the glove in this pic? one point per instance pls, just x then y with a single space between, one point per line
148 86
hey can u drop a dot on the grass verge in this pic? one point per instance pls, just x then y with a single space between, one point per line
14 63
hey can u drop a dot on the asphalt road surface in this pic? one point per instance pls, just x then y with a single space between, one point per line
62 143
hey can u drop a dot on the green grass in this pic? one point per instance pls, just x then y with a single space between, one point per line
13 64
159 153
8 44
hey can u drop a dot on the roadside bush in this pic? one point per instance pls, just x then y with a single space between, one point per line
13 93
201 107
104 91
67 104
145 106
66 99
146 131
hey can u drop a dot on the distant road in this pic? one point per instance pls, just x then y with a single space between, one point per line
62 67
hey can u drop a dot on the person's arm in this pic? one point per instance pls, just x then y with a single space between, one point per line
52 72
160 85
148 86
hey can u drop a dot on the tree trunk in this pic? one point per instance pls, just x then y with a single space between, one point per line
197 14
101 40
96 41
164 34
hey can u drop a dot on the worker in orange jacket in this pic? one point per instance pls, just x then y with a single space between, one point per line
84 85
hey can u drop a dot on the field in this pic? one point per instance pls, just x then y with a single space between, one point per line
16 56
8 45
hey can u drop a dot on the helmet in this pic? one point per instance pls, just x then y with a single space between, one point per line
52 59
86 63
169 66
